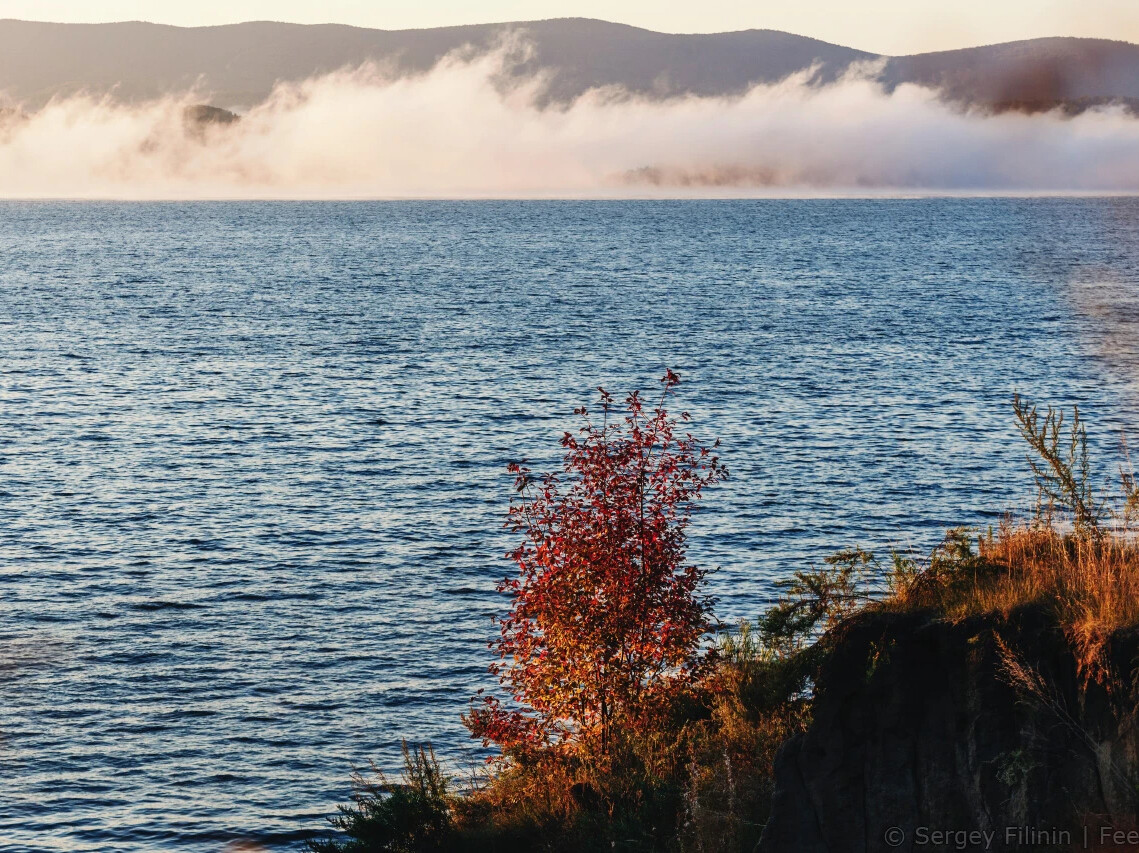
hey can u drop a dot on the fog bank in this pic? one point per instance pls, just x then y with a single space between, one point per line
459 132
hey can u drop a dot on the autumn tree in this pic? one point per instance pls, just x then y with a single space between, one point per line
607 617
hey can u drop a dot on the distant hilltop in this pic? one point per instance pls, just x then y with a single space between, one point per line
236 66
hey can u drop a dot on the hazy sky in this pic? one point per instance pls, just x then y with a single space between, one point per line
885 26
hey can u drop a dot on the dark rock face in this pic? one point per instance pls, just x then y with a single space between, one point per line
984 727
199 119
200 114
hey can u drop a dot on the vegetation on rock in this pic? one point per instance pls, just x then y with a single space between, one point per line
624 730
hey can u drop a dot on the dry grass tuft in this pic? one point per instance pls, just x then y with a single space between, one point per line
1092 583
1079 555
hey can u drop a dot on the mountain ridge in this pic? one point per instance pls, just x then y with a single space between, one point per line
239 64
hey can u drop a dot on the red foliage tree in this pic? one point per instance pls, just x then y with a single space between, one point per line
607 617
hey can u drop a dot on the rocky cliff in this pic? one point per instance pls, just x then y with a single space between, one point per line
991 733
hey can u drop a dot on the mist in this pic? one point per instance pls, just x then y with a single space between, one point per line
461 131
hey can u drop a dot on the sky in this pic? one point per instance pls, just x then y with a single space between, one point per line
881 26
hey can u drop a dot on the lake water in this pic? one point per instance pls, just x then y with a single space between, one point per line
252 456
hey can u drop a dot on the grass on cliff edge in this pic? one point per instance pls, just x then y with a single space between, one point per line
703 782
1078 556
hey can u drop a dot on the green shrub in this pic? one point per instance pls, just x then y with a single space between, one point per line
413 816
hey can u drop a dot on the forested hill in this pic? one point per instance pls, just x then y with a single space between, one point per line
236 66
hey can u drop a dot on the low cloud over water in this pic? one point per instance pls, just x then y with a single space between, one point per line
460 131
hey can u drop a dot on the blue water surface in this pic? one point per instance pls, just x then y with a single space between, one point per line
252 455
